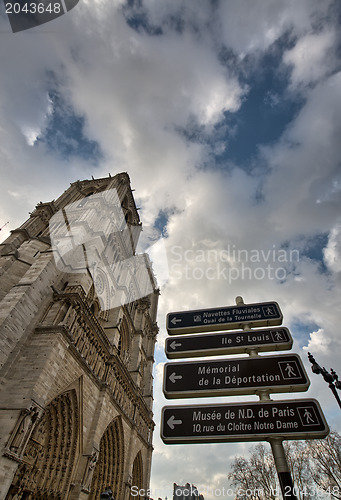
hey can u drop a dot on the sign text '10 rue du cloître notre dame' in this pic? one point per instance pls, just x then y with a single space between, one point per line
233 422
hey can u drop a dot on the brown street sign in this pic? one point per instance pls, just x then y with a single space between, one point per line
224 318
233 422
188 346
249 375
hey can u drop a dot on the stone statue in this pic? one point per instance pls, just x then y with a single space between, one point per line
92 460
28 417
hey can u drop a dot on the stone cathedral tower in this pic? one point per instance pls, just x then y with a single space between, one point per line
75 361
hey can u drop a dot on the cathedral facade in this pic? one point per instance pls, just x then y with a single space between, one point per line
77 336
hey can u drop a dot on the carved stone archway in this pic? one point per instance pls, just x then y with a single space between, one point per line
109 467
137 475
49 456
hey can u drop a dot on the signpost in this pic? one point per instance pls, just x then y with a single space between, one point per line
281 373
265 420
224 318
232 422
271 339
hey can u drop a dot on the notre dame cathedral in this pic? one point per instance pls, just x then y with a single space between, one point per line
78 329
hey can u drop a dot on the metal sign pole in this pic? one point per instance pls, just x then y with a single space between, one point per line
282 466
283 471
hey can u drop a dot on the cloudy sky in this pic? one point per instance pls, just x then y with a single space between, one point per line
227 117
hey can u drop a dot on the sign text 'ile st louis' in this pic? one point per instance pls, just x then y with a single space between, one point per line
269 339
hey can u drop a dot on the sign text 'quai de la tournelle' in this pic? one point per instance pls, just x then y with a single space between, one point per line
224 318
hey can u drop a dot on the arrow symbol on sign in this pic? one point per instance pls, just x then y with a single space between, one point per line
173 377
172 422
174 345
175 320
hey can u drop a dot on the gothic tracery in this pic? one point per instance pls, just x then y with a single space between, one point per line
109 467
46 468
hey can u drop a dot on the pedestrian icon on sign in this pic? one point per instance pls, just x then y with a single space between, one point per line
308 415
278 336
290 371
269 311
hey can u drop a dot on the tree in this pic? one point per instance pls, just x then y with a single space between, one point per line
299 464
255 477
315 467
326 463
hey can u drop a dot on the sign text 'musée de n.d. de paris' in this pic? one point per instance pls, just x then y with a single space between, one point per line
232 422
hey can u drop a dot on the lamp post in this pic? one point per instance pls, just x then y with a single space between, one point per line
331 378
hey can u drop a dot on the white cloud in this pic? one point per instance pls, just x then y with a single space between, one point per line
312 58
243 26
319 343
332 252
135 93
302 188
251 26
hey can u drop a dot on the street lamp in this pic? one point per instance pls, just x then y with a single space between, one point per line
331 378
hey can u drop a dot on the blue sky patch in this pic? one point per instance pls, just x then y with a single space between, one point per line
314 247
136 17
161 221
301 330
64 134
266 111
310 248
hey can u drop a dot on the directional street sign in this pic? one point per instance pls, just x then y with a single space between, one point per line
271 339
232 422
224 318
190 379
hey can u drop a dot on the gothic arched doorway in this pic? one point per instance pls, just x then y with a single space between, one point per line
137 475
109 467
49 456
